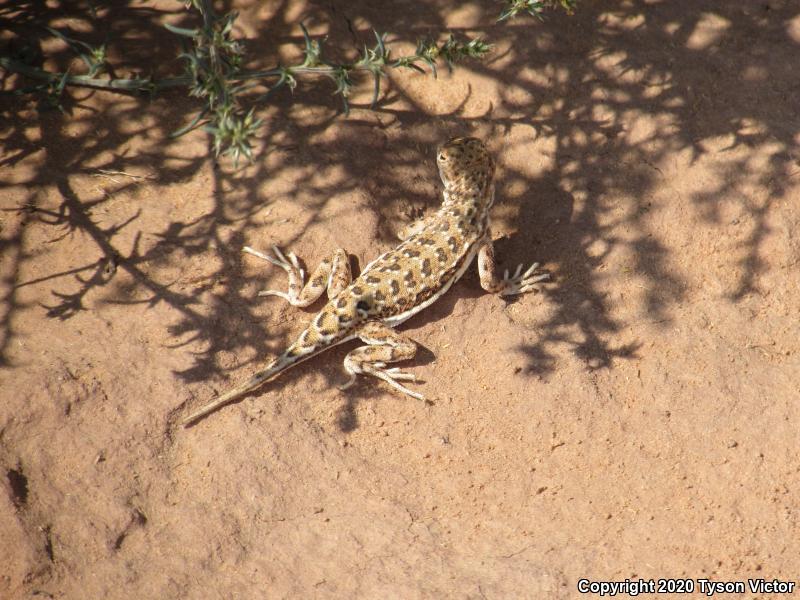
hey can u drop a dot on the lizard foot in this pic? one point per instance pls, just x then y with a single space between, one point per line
290 264
521 283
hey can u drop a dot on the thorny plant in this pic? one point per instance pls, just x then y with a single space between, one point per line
535 8
213 71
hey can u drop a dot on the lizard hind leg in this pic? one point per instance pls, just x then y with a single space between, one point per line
383 345
332 274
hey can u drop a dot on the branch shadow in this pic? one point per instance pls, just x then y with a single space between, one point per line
576 89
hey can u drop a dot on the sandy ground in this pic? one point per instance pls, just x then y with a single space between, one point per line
637 418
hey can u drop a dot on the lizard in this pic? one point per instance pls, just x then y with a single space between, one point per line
434 253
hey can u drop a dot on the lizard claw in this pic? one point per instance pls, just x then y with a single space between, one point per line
290 264
398 375
521 283
347 383
392 377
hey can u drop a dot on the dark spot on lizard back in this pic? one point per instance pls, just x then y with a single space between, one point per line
426 267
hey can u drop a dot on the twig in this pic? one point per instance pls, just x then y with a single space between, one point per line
107 172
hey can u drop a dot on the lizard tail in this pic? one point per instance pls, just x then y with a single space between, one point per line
278 365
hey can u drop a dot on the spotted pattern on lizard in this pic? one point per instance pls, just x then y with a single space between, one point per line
434 254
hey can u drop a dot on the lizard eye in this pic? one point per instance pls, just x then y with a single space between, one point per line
442 157
362 306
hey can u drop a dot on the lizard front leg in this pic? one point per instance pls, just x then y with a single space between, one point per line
384 345
518 283
332 273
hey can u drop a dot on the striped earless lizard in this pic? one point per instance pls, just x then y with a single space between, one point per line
435 253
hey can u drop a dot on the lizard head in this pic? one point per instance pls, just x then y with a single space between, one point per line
465 165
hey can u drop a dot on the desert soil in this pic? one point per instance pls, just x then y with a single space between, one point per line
637 418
